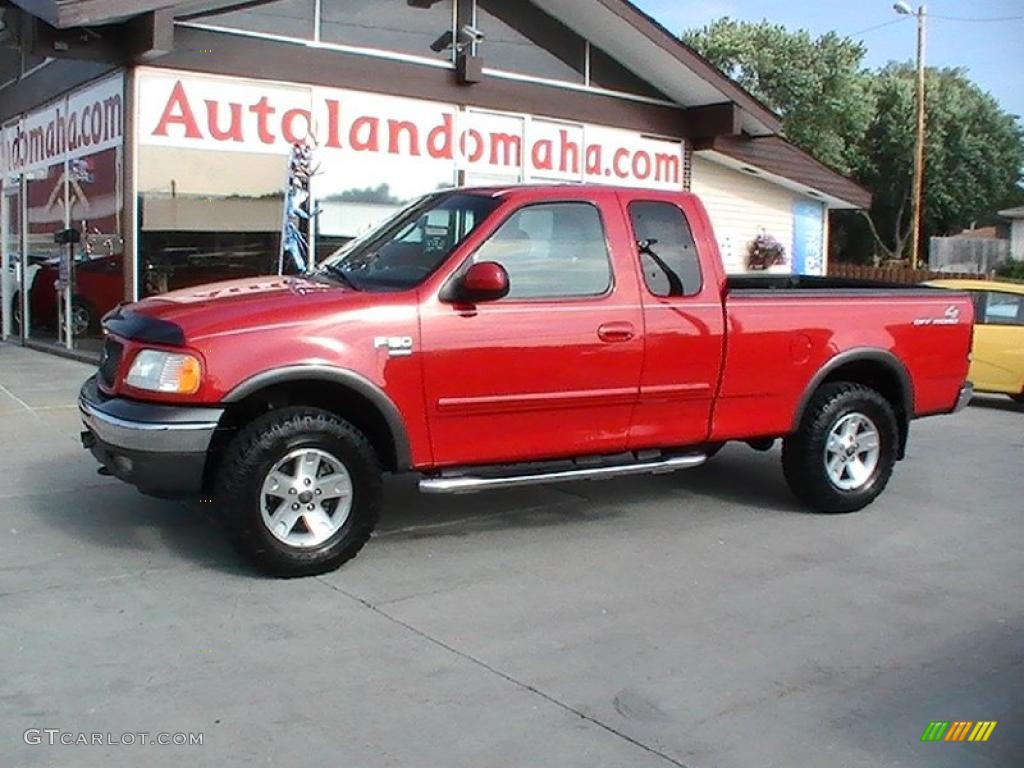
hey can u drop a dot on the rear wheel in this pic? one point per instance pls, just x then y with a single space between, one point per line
842 454
1018 398
300 491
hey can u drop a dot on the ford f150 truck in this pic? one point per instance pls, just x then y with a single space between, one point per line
486 338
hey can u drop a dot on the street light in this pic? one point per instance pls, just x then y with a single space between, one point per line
905 9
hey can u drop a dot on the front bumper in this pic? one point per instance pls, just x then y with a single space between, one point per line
966 393
160 449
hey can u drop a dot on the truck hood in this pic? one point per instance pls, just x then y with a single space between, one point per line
248 304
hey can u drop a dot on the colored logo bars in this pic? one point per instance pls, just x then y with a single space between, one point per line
960 730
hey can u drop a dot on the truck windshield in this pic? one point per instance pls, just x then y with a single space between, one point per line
407 248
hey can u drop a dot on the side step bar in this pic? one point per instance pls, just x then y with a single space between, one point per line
470 483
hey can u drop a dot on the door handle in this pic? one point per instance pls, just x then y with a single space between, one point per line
613 332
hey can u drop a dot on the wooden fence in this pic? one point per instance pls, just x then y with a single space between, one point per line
896 274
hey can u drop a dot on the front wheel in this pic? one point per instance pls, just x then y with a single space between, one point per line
842 454
83 318
300 490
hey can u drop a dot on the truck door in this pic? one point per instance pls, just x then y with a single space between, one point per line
683 317
553 369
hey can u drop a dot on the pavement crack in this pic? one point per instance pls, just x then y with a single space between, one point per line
551 699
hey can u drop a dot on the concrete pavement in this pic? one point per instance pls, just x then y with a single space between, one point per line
700 619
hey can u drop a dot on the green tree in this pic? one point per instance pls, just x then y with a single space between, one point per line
862 124
817 85
974 153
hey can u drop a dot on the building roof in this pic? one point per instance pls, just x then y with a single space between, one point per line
777 157
618 26
1013 213
622 30
978 233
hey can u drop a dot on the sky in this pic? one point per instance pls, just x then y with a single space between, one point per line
992 52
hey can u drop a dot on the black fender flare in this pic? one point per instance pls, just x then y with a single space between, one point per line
863 354
334 375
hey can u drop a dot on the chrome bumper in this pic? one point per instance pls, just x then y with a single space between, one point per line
966 393
160 449
147 436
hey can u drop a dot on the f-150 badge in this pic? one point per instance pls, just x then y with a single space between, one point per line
397 346
950 317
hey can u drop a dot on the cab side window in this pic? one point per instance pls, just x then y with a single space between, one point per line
668 254
552 250
1003 309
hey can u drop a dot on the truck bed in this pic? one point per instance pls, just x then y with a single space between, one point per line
783 330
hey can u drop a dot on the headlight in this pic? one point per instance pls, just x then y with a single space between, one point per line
165 372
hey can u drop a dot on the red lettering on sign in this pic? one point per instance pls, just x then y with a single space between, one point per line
234 131
178 112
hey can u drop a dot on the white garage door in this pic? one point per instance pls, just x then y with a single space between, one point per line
741 207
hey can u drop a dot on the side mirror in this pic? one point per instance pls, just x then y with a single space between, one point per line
485 281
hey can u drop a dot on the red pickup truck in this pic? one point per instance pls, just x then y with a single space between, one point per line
487 338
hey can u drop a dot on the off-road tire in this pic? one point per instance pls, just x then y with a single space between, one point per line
252 454
803 452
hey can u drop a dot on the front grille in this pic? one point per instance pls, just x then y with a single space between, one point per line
110 361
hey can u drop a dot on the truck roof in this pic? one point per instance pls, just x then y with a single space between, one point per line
568 187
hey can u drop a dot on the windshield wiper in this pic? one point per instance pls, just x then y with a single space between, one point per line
339 272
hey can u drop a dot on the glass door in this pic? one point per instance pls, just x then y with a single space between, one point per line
45 213
97 273
11 217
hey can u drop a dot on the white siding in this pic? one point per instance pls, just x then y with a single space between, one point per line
741 206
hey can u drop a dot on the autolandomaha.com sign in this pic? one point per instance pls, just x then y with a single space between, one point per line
87 121
229 114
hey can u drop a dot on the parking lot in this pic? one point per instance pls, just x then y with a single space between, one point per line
700 619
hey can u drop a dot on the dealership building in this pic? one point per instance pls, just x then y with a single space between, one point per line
160 132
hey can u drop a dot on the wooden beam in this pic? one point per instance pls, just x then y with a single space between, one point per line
63 14
151 35
713 120
46 10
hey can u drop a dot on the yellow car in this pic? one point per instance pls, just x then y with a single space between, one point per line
997 359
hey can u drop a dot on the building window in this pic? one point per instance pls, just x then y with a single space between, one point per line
606 72
207 216
388 25
287 18
521 38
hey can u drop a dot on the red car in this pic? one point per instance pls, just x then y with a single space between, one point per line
98 288
486 338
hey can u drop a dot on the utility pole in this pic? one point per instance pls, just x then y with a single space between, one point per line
919 151
917 194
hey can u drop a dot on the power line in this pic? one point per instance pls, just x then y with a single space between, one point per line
879 26
975 19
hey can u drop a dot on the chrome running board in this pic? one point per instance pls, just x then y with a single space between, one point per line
471 483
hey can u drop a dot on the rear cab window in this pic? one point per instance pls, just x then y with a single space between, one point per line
668 253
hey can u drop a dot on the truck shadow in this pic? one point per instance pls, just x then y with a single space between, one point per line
997 403
109 515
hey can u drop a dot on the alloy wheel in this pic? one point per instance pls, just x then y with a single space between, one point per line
852 451
306 497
